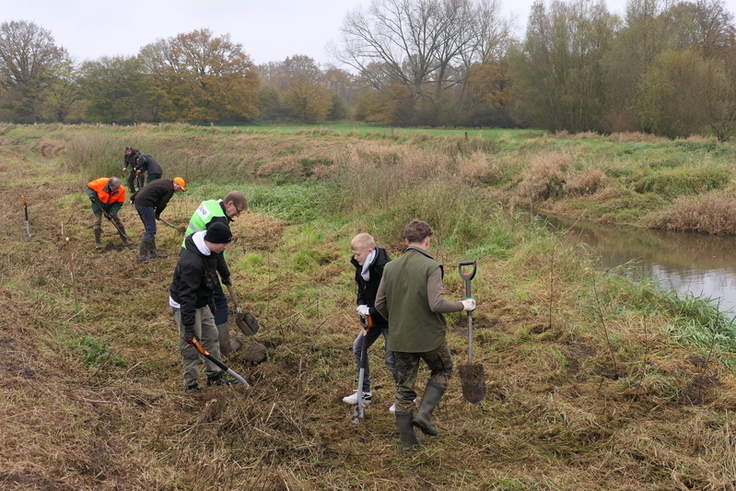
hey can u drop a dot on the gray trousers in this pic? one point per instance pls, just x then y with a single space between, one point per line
388 355
206 331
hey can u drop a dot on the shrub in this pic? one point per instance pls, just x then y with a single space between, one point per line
543 179
587 182
684 180
710 214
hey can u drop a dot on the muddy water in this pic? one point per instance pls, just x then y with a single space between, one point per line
703 265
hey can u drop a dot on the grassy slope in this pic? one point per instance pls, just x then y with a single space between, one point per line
585 389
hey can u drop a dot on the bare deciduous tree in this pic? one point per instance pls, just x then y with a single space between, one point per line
29 59
426 46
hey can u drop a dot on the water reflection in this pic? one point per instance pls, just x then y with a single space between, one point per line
684 262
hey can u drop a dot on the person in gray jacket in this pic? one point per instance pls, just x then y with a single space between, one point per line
410 296
144 163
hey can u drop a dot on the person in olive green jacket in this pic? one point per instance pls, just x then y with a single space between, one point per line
410 296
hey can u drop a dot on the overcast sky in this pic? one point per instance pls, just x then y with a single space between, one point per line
268 30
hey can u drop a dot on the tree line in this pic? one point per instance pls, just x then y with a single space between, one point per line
665 67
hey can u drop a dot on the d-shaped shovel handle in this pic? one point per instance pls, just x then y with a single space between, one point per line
466 274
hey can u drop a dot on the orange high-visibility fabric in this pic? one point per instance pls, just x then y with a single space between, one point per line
98 185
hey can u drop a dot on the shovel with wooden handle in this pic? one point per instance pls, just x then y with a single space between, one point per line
244 320
109 217
471 374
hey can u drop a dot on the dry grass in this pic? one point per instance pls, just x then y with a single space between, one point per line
560 413
590 181
710 214
543 179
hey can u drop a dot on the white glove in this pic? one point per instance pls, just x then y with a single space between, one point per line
363 310
468 304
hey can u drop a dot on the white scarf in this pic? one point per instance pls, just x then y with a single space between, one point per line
198 238
367 264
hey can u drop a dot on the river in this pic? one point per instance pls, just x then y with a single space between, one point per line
685 262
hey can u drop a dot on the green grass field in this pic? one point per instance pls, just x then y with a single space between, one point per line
362 129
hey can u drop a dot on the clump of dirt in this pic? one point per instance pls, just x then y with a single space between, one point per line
256 354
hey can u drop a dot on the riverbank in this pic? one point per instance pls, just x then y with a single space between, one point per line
630 179
592 380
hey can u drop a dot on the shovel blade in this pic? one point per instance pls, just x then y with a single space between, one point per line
474 382
247 323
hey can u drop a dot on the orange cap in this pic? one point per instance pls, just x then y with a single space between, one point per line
181 183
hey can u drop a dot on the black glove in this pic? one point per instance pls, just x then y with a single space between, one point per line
93 199
228 281
189 335
109 217
158 217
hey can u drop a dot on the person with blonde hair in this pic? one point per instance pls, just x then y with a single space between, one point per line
369 262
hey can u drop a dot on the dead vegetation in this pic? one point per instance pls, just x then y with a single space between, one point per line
579 397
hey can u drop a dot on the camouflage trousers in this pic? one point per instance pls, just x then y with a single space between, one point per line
439 361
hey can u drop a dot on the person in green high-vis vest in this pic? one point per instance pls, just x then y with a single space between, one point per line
410 296
223 211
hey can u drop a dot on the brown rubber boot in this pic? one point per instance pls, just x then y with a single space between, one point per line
406 431
423 419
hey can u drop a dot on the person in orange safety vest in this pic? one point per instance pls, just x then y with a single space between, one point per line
107 196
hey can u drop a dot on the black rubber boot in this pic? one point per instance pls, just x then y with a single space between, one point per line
124 236
408 439
154 251
430 399
143 250
98 241
220 380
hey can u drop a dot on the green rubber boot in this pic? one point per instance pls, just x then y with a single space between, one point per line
143 250
124 237
430 399
406 431
154 251
98 240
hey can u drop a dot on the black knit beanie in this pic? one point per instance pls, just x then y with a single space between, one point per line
218 233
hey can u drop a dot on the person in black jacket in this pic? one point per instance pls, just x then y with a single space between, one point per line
150 201
190 298
129 163
369 261
144 163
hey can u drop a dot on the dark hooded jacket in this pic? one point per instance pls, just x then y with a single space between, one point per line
155 194
367 289
194 281
129 160
148 164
